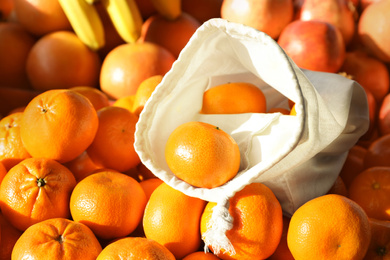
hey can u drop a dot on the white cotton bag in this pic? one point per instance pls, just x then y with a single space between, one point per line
297 157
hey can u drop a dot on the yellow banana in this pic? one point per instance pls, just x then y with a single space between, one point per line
125 17
170 9
85 21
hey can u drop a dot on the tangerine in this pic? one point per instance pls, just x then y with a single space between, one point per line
202 154
57 238
234 98
114 208
34 190
58 124
257 223
329 227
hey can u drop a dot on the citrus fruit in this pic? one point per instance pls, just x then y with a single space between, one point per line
234 98
370 189
202 154
58 124
113 145
61 60
329 227
172 219
34 190
57 238
110 203
257 223
135 248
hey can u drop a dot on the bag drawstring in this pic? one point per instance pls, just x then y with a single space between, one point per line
215 236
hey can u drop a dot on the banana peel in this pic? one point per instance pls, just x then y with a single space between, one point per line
88 26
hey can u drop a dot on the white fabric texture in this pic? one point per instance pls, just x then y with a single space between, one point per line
298 157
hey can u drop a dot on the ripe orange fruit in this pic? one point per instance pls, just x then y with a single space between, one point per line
172 219
126 66
135 248
329 227
57 238
201 255
353 165
113 145
82 166
15 45
12 149
202 154
379 248
370 189
173 35
58 124
97 97
34 190
149 185
114 208
234 98
41 17
378 152
144 92
125 102
61 60
257 223
9 235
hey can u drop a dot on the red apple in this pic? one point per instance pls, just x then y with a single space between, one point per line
369 72
374 29
335 12
313 45
269 16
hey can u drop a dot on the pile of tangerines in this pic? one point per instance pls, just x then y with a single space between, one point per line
73 186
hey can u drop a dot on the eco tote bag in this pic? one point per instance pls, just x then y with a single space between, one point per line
298 157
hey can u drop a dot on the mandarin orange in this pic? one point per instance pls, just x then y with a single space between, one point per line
34 190
172 219
370 189
379 248
144 92
329 227
58 124
201 255
202 154
135 248
113 209
57 239
257 223
113 145
12 149
234 98
61 60
97 97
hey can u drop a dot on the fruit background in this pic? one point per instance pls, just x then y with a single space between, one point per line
72 86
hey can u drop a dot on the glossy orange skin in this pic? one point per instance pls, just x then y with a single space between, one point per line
34 190
202 154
